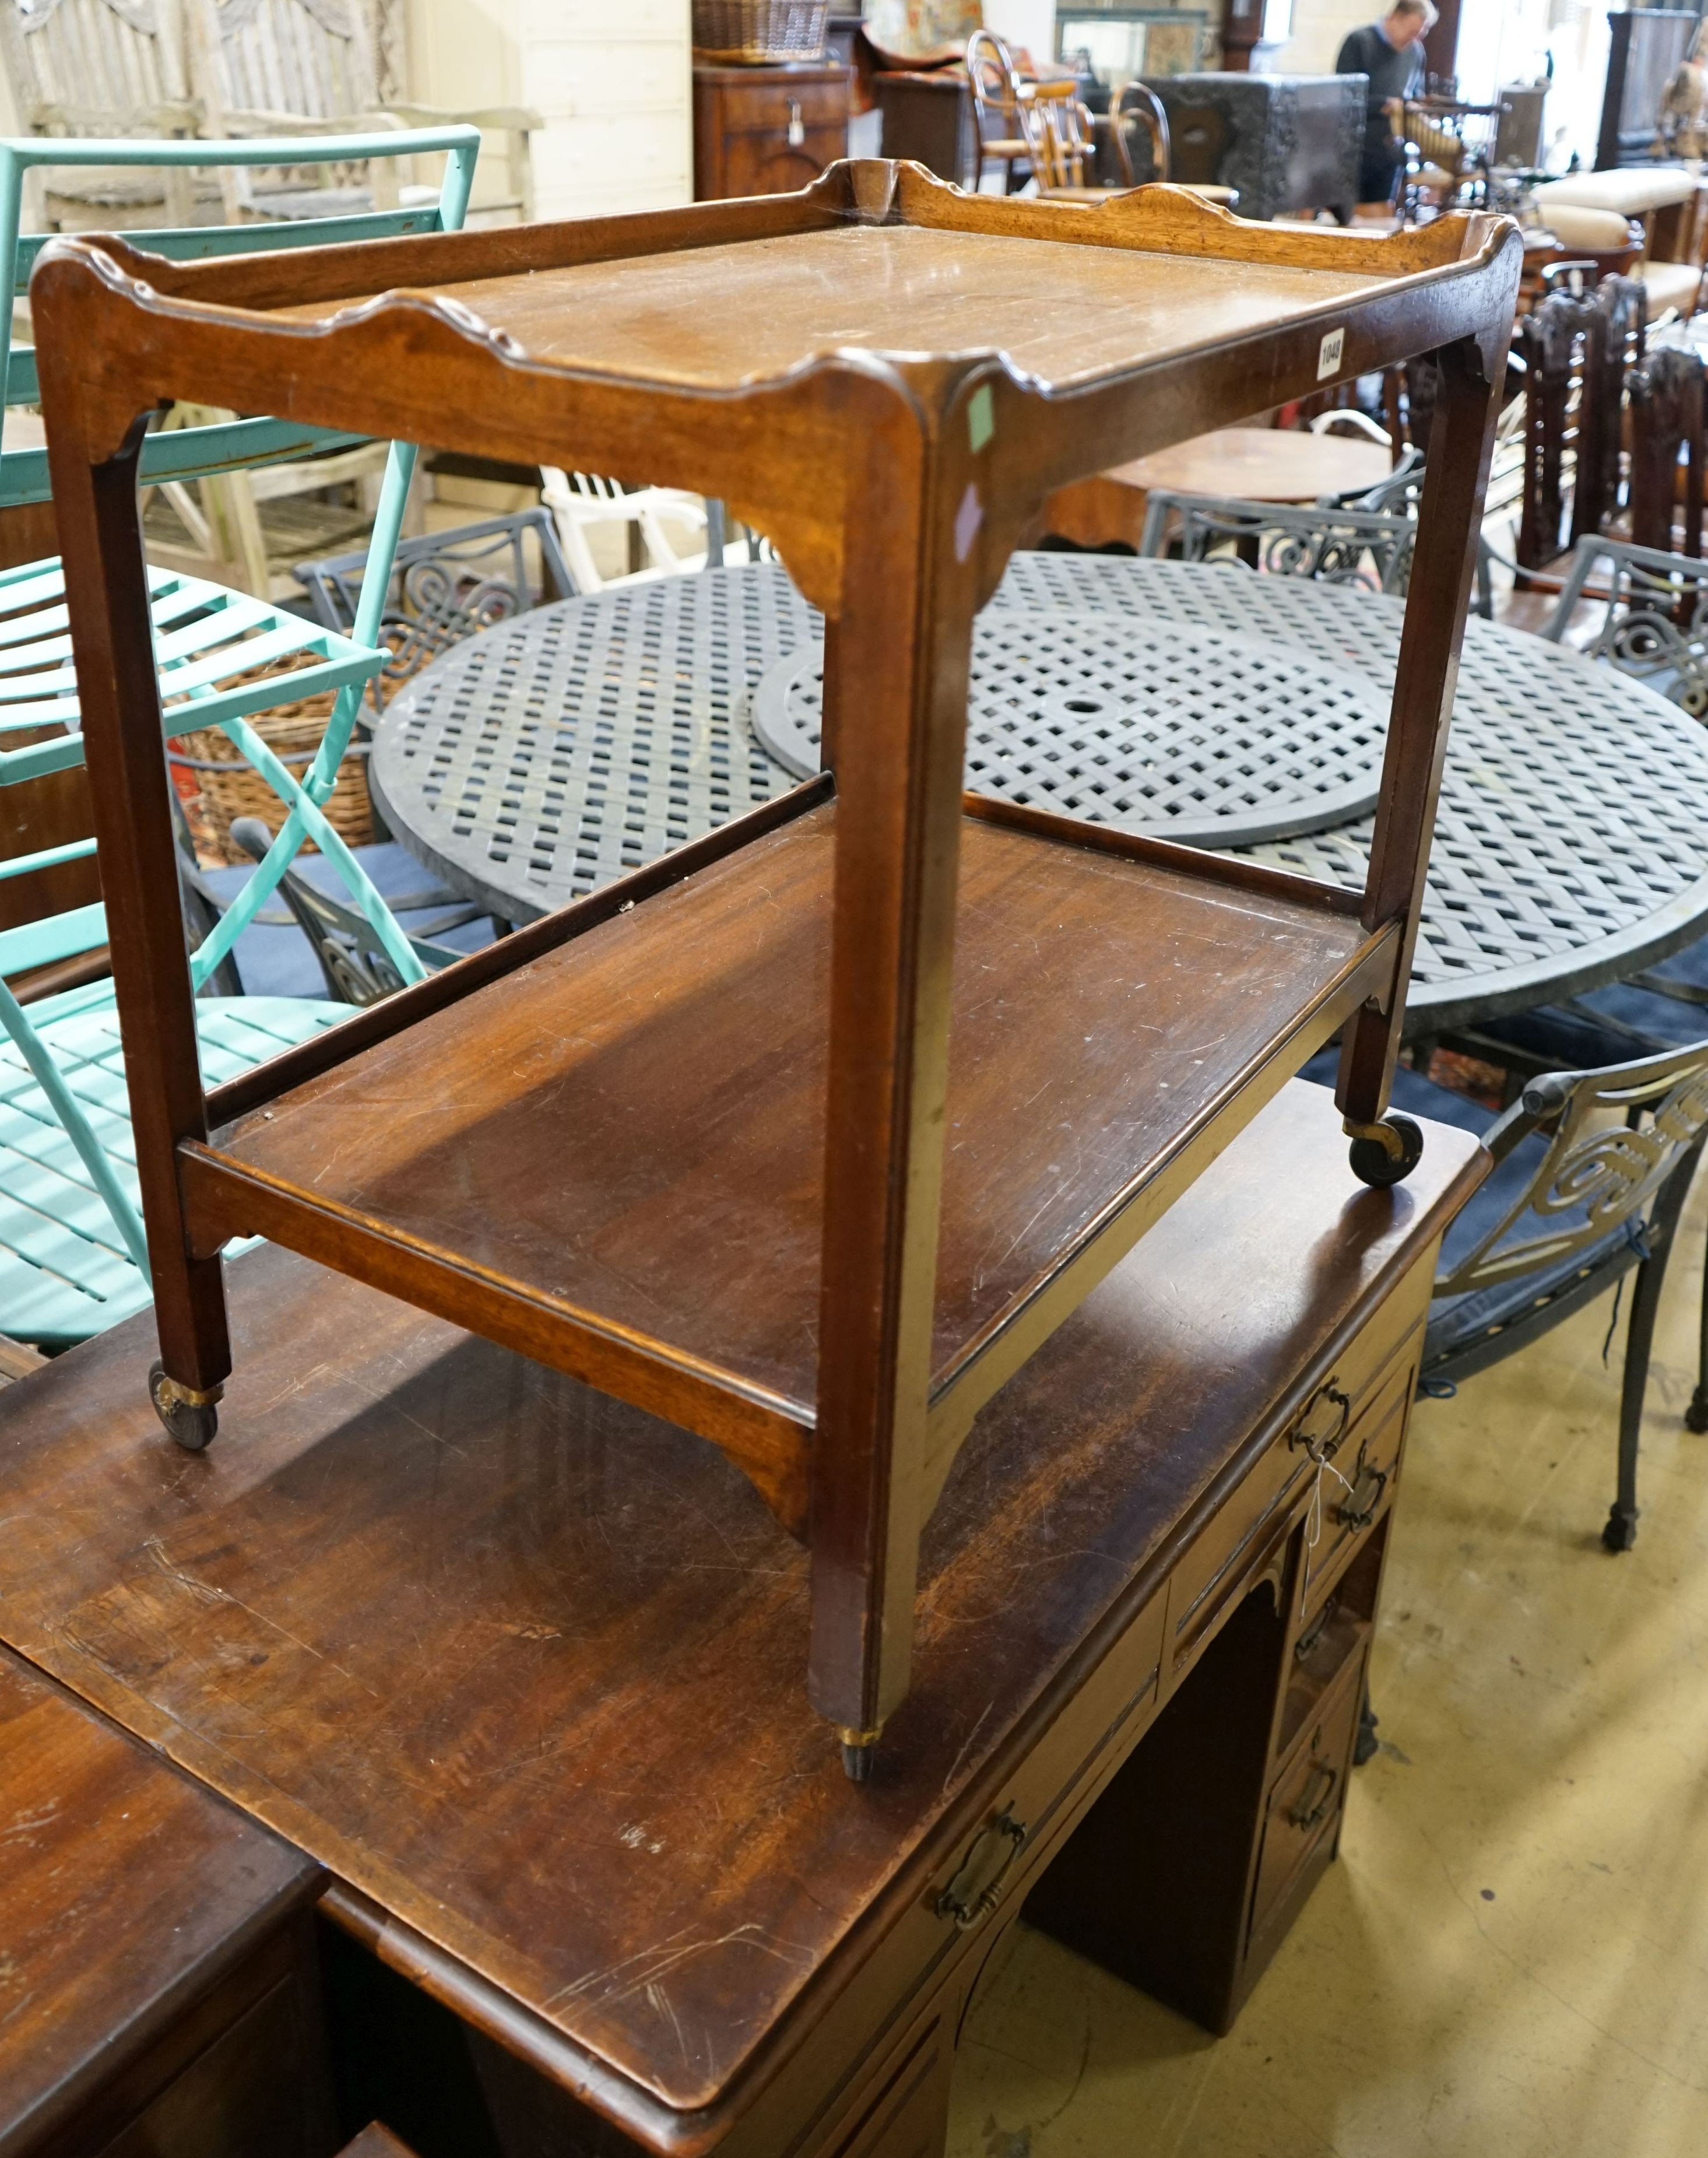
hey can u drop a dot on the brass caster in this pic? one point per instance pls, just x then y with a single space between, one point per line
190 1413
859 1750
1387 1152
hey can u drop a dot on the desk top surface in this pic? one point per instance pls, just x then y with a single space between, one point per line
526 1666
125 1891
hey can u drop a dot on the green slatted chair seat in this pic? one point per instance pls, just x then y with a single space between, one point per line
73 1250
64 1272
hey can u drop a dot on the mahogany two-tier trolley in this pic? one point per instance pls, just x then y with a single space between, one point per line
806 1136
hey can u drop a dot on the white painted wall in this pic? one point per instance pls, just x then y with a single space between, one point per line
614 88
1317 28
1028 22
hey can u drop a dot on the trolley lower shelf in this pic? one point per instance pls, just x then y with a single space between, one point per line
611 1158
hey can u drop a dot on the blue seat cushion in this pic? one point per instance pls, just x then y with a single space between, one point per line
280 962
1455 1321
1601 1027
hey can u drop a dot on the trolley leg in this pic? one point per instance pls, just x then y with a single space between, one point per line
112 644
896 665
1449 516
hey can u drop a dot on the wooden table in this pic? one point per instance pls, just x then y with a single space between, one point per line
520 1665
157 1972
1257 464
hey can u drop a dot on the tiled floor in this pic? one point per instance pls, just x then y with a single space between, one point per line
1510 1959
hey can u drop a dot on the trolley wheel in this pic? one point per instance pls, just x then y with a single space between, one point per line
1373 1164
193 1424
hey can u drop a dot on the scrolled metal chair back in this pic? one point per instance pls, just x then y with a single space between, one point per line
444 587
1655 627
1614 1138
1334 546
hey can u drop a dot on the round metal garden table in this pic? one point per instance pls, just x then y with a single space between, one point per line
543 758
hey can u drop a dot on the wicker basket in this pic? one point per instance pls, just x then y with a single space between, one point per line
759 33
229 789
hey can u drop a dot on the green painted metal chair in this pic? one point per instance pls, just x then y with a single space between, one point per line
73 1257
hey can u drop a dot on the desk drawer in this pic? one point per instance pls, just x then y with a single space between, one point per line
770 108
1305 1804
1232 1551
1370 1461
1031 1813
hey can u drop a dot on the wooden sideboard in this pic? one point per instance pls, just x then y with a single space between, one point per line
519 1666
765 130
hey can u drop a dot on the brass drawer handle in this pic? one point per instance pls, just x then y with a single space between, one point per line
970 1905
1312 1802
1358 1510
1317 1448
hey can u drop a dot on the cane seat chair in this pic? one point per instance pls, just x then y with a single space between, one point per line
73 1256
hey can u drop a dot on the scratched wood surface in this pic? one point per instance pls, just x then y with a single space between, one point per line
607 1137
525 1665
125 1892
710 317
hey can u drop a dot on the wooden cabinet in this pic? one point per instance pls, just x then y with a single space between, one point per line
759 130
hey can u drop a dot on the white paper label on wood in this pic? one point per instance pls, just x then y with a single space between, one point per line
1329 359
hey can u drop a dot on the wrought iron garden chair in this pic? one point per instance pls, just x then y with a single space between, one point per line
1369 548
445 586
73 1257
1592 1169
1655 626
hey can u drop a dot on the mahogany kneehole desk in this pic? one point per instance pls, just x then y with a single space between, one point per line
813 1147
518 1663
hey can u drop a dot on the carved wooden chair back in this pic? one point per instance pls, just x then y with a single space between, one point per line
1137 106
267 67
1667 418
102 67
997 98
1563 344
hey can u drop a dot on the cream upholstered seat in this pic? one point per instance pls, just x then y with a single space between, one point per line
1600 231
1671 285
1632 190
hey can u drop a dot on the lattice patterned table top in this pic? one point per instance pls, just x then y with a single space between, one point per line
1214 741
545 757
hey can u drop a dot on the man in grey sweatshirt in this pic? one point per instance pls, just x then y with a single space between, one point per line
1390 53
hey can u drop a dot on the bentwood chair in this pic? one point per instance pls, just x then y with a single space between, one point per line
1591 1169
998 101
73 1257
